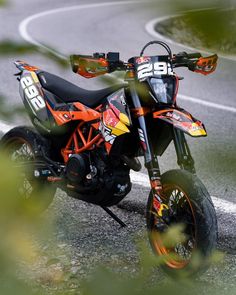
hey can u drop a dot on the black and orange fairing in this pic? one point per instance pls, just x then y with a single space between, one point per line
106 123
88 119
73 112
115 118
182 120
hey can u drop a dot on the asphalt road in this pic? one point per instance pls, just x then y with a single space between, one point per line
121 28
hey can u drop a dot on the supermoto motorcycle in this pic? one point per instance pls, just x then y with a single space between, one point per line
86 142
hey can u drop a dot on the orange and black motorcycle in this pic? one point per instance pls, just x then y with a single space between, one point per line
86 142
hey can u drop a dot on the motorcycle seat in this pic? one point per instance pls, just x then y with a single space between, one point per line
69 92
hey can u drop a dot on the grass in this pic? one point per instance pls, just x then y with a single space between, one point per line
213 29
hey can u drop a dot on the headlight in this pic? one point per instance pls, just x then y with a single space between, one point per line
163 89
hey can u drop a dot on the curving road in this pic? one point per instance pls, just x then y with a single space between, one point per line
121 27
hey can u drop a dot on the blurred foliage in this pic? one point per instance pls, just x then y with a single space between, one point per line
24 232
16 230
21 256
188 5
8 47
205 24
3 2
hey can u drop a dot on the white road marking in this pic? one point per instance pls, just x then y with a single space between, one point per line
207 103
24 24
4 127
220 204
150 28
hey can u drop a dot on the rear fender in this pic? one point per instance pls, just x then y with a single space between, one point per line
182 120
22 65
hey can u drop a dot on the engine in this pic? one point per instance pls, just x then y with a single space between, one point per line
78 169
93 177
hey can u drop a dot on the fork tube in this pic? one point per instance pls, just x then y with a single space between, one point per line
142 126
151 162
184 158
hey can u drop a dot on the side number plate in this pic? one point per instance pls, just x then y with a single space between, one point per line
32 93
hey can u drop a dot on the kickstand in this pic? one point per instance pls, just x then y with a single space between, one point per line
116 218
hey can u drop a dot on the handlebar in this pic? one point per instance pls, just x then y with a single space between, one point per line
101 63
187 55
194 55
195 62
184 59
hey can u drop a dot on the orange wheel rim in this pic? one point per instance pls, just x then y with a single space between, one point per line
157 244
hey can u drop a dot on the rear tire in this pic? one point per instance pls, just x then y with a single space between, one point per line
191 206
21 144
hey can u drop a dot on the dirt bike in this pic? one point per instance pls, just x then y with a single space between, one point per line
86 142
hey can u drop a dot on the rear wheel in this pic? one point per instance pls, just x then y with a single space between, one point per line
20 145
190 205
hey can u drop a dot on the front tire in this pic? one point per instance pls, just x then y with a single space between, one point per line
190 205
20 145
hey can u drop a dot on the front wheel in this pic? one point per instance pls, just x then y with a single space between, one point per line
190 205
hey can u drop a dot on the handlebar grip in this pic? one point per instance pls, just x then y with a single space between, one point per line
194 55
185 55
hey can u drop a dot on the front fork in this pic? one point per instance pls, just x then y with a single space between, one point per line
184 158
151 161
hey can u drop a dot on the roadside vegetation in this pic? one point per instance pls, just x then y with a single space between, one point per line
214 30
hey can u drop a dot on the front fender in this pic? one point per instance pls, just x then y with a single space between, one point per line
182 120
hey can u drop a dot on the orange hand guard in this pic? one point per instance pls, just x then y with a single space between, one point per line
206 65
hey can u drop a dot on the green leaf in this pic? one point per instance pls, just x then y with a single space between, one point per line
8 47
3 2
52 261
